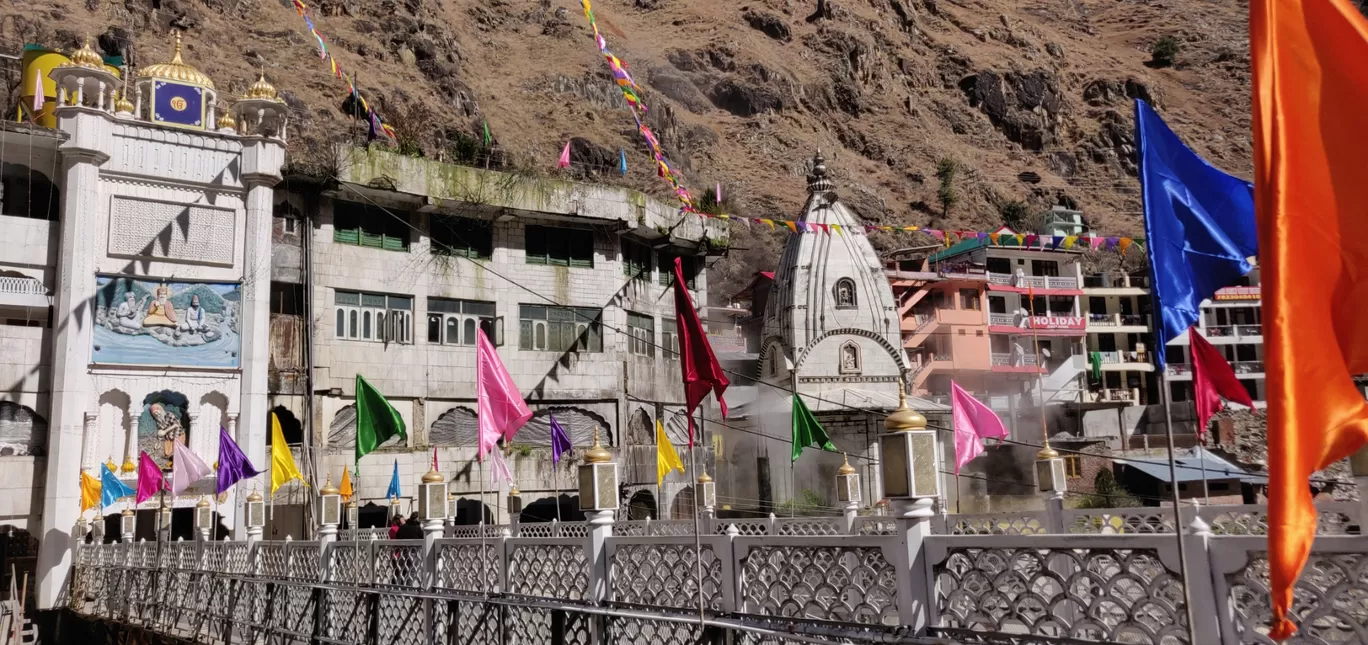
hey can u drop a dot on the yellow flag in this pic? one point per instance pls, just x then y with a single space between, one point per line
90 492
666 457
283 468
346 488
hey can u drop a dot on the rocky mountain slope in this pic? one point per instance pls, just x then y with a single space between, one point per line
1029 99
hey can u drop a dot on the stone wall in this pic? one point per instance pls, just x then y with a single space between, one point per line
21 491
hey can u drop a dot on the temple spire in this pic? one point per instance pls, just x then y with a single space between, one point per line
817 178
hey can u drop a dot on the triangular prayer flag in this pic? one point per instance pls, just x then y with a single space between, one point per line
806 430
1020 238
501 409
1310 169
666 457
1070 240
698 365
1111 243
1031 239
1212 378
283 468
564 161
187 468
1058 239
837 228
90 487
996 238
233 465
792 226
111 489
393 492
376 420
150 481
768 221
560 441
498 469
345 489
1125 244
973 422
936 234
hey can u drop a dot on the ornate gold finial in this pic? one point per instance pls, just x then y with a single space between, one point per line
846 468
254 496
128 465
113 467
85 57
328 488
433 477
597 454
227 121
904 419
127 511
704 478
203 503
1046 452
261 89
123 105
514 492
176 69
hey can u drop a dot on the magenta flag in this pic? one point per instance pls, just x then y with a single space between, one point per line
150 480
1212 378
973 421
501 408
565 157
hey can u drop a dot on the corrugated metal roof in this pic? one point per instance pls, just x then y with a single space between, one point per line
1190 468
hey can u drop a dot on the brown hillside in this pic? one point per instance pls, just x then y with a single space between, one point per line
742 94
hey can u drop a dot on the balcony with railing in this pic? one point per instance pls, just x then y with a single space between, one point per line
1114 322
1234 333
23 291
1132 282
1033 281
1007 359
1002 320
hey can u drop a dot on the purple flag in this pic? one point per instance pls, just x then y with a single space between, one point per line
150 480
560 442
233 465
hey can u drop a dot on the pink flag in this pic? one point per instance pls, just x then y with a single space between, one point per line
973 422
719 192
1212 379
501 408
498 470
187 468
150 481
565 157
38 94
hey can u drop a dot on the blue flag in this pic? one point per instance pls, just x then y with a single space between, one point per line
560 442
111 489
1199 226
393 492
622 162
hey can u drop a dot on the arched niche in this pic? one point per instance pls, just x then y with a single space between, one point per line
640 428
115 421
577 422
682 508
22 430
291 427
342 430
28 193
163 421
456 427
642 505
544 509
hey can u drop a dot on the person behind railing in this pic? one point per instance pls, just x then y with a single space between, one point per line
411 530
394 524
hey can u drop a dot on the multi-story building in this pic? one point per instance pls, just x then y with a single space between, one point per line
1119 360
1232 322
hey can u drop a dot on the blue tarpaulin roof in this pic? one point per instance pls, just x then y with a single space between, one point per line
1190 468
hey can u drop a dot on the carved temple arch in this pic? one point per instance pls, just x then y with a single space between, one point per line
874 336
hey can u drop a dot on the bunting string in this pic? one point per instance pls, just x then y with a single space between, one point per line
372 117
632 94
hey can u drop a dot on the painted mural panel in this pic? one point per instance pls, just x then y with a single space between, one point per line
150 322
164 422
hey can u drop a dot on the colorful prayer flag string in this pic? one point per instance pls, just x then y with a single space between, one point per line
376 124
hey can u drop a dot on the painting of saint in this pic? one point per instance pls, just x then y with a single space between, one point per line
163 424
160 322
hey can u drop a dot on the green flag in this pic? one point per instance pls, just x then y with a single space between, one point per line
806 430
487 138
376 420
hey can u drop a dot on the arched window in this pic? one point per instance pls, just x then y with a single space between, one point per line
850 358
469 327
341 323
845 293
453 331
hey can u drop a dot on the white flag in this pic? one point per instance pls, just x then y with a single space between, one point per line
38 92
187 468
498 469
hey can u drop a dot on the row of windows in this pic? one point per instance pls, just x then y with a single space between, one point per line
641 328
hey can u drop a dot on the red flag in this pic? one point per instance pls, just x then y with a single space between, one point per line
702 372
434 459
1212 379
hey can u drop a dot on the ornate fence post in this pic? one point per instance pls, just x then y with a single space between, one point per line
731 580
910 471
1358 465
1201 591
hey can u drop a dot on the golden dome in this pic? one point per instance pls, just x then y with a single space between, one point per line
126 512
85 57
262 90
596 454
203 503
113 467
176 70
846 468
255 496
514 492
1047 453
704 478
433 477
328 488
123 105
227 121
128 465
904 418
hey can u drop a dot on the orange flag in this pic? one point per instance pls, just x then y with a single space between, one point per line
1310 169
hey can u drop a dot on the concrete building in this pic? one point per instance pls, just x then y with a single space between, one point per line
388 271
133 287
1232 321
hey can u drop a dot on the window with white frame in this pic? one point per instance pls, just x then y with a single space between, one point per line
560 329
641 328
374 317
669 341
454 322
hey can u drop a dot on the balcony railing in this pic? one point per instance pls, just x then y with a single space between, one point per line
22 286
1177 369
1115 282
1248 367
1033 281
1002 319
1233 331
1115 358
1006 359
1116 320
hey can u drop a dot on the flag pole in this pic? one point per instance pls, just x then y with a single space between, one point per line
1177 511
481 525
698 539
1039 369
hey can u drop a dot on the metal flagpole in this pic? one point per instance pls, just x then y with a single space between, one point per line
481 525
698 539
1039 369
1177 513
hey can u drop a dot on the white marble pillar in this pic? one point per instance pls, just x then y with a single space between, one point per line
89 142
261 162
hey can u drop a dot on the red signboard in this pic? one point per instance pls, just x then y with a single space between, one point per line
1062 323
